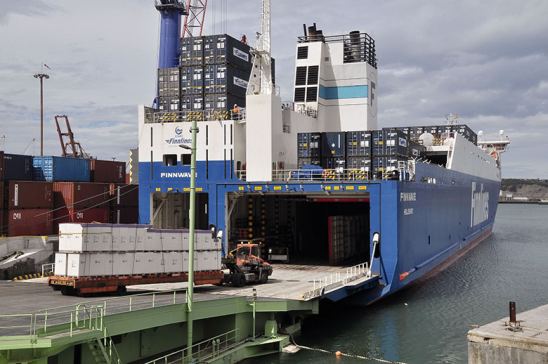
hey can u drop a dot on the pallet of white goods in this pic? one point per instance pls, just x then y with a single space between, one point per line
85 237
173 262
89 264
129 237
123 263
205 241
148 263
101 237
203 261
60 268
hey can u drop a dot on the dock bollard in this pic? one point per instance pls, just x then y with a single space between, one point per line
512 308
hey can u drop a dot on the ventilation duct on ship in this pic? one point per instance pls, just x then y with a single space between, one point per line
355 46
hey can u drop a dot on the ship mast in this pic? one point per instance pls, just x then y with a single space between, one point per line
260 82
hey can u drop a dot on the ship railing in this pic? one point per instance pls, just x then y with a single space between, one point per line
300 108
48 269
405 172
337 279
84 315
203 351
153 116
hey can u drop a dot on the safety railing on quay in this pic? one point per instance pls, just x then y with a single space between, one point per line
84 315
48 269
337 279
202 351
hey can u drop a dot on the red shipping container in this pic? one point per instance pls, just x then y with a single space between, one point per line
61 216
125 215
26 222
81 195
3 202
30 195
108 171
125 195
3 227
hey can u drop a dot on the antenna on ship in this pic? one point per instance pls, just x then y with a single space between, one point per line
452 118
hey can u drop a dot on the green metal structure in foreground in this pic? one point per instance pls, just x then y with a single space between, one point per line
150 328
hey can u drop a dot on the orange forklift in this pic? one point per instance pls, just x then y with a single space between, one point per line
245 265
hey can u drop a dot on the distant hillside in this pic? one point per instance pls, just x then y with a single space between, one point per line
531 188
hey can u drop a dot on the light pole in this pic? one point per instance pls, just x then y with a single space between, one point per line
191 229
41 76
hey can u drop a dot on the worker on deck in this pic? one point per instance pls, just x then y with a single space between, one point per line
236 112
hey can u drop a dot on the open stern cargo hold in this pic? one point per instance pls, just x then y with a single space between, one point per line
30 195
15 167
53 169
120 238
107 171
133 263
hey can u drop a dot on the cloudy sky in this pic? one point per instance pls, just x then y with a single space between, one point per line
485 60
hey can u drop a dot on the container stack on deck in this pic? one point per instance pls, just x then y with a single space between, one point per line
39 193
212 78
370 152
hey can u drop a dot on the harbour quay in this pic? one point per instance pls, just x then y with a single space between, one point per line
522 339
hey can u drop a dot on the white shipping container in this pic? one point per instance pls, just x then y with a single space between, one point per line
60 268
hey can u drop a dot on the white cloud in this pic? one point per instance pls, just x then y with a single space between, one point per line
483 60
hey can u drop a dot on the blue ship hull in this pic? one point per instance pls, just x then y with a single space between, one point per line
424 225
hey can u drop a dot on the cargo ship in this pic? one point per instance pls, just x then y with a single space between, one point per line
315 181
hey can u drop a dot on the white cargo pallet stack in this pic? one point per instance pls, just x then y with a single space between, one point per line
131 263
79 238
60 268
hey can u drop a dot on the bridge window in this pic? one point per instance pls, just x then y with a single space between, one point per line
313 75
302 52
299 94
170 160
300 76
186 159
312 94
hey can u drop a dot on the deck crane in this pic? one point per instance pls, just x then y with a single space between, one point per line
260 82
194 19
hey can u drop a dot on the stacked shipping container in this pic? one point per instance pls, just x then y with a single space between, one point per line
212 78
29 207
371 152
62 192
347 239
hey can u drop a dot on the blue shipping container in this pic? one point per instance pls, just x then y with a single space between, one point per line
54 169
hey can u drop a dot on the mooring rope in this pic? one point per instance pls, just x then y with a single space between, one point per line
339 353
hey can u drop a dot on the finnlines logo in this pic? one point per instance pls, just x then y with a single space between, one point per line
175 175
178 138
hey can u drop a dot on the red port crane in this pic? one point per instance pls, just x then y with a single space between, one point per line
194 20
